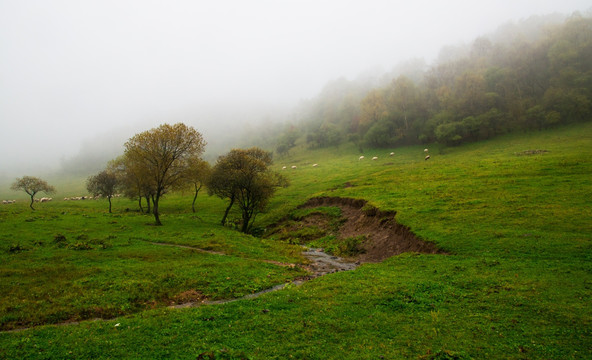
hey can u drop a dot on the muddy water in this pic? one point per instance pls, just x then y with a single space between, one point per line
322 263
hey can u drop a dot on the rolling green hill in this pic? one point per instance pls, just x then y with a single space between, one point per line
513 215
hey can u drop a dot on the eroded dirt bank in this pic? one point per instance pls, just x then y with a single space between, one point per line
383 236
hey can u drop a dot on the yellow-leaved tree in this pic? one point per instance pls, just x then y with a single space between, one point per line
163 156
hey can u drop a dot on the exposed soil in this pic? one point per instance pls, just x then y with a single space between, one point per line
384 237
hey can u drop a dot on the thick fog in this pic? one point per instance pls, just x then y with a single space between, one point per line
83 76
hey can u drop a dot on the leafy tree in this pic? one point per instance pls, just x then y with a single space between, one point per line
243 177
379 135
373 108
104 183
132 182
402 97
32 185
198 174
327 135
449 133
162 157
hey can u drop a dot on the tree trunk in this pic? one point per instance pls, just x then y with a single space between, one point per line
245 225
227 210
155 210
148 204
32 201
195 196
109 198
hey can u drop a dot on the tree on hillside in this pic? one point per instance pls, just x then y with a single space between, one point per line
286 141
197 176
32 185
243 177
162 156
104 184
402 95
373 108
132 182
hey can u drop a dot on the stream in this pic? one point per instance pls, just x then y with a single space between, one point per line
321 264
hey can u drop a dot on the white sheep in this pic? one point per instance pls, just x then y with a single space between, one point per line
375 158
293 166
315 165
425 150
284 167
391 154
427 157
361 157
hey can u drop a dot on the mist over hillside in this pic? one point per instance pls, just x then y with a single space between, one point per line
77 89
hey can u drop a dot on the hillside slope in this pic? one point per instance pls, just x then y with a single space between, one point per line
514 283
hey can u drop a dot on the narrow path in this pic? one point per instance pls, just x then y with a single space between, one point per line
187 247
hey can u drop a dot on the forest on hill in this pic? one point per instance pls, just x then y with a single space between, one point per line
527 76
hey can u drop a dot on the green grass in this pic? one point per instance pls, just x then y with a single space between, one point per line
515 285
70 261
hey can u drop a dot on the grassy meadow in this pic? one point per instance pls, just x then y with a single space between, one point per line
515 283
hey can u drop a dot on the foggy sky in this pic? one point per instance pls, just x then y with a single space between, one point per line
71 71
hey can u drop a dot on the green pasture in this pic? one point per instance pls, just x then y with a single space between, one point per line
515 284
71 260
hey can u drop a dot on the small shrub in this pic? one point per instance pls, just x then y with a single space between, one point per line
351 246
257 231
16 248
60 240
82 237
102 243
80 246
308 233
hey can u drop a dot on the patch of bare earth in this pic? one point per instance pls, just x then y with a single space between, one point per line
384 236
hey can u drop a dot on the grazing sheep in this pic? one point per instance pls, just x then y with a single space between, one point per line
361 157
315 165
284 167
293 166
391 154
427 157
375 158
8 201
425 150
